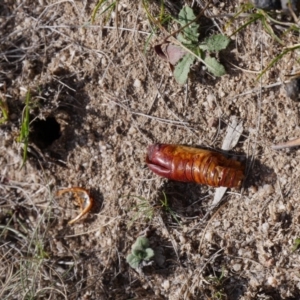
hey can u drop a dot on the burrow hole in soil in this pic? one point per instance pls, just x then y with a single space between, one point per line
45 132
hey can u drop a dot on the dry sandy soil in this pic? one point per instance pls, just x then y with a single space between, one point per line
100 97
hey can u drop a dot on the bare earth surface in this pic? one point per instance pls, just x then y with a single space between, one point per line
113 97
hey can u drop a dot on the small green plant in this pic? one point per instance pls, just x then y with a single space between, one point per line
188 49
143 209
140 252
24 131
218 282
267 19
4 110
165 205
296 245
278 57
106 7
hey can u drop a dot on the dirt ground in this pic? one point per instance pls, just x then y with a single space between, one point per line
99 97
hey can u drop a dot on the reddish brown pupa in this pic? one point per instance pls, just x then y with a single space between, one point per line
190 164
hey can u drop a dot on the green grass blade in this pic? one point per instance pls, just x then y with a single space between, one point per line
95 10
24 132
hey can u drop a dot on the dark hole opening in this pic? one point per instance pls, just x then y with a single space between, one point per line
45 132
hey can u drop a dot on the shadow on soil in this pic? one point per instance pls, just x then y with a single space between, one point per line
63 111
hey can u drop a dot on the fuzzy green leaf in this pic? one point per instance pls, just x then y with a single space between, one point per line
182 69
214 66
141 242
190 33
296 244
139 252
149 254
215 43
133 261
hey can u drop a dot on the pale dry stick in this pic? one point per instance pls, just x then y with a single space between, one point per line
16 232
174 244
255 143
246 258
186 94
25 194
58 275
242 69
52 28
288 144
293 13
93 26
8 277
54 77
156 96
280 189
208 223
262 89
128 29
196 276
12 247
52 289
54 4
117 20
94 230
162 120
145 65
135 123
186 124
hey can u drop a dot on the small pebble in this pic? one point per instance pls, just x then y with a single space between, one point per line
292 89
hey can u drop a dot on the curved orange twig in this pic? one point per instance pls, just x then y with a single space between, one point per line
85 202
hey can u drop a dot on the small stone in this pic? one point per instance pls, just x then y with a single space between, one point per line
237 267
137 83
267 4
292 89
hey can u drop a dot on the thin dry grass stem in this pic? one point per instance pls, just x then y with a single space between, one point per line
255 90
54 4
185 124
162 120
65 85
96 229
52 289
208 14
208 223
244 70
277 181
288 144
197 276
174 244
93 27
258 120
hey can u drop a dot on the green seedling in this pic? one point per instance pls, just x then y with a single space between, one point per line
144 210
165 205
266 19
187 48
296 245
4 110
258 15
140 252
278 57
157 22
218 282
24 131
106 6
